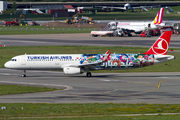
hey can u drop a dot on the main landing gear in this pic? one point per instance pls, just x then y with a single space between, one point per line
88 74
24 73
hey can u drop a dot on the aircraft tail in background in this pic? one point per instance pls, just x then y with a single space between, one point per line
160 47
159 17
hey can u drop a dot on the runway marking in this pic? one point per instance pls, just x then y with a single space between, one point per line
108 80
67 87
158 86
25 41
7 74
161 77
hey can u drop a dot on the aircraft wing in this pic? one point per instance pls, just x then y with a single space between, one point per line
142 7
91 65
104 7
87 65
121 8
169 8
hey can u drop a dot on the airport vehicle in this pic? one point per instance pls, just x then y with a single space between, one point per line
78 63
88 20
16 21
34 23
102 33
176 27
11 22
117 33
150 33
73 19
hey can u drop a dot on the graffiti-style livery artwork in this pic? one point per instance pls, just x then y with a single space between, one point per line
119 60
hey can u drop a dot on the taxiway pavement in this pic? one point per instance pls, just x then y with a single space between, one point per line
81 39
101 87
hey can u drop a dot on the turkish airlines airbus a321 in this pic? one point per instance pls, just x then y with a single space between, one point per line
78 63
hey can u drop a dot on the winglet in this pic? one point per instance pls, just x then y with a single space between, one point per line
107 52
160 47
159 17
107 55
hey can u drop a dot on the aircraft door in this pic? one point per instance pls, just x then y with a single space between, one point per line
23 60
57 61
149 25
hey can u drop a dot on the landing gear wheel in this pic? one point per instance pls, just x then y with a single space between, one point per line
129 35
88 74
24 73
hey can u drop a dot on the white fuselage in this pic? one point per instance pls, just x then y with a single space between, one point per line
137 27
60 61
40 62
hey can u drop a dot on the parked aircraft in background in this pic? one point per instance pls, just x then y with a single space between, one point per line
138 27
78 63
127 7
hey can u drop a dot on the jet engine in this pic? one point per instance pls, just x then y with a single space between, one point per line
72 70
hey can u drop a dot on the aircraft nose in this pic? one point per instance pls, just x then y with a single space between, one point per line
7 65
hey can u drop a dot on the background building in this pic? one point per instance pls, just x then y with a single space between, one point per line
3 6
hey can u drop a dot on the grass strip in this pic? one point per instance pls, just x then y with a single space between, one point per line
17 89
18 30
170 66
88 111
105 117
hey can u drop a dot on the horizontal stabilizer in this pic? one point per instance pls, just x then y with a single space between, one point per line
143 8
169 9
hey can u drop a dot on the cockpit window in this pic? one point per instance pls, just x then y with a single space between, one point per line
13 60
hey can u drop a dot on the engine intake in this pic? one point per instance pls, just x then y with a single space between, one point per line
72 70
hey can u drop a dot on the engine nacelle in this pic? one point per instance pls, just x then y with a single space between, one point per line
72 70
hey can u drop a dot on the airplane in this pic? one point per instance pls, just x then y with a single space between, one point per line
138 27
127 7
78 63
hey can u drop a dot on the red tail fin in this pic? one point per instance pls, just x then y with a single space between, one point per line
161 45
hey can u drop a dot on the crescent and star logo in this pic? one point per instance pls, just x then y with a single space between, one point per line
160 47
